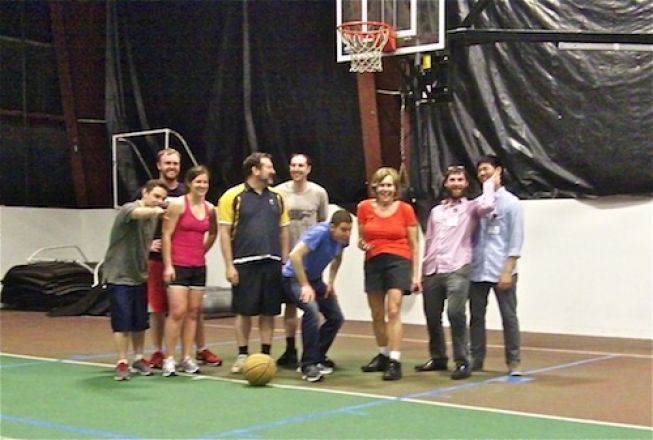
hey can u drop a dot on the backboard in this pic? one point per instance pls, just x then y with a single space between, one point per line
419 23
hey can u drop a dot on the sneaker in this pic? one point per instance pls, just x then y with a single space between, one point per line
462 371
156 361
378 363
432 365
324 370
142 367
288 359
122 371
189 366
514 368
238 365
169 367
207 357
393 370
311 373
328 363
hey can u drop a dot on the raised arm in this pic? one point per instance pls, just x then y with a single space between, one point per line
485 203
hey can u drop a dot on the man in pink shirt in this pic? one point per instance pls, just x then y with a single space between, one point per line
447 256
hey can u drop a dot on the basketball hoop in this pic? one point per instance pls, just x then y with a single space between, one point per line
365 41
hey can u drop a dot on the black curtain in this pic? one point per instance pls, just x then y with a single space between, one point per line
565 123
237 77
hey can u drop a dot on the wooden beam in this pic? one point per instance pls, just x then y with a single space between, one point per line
369 123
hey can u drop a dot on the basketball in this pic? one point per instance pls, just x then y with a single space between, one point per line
259 369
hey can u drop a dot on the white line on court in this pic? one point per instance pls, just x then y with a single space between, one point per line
357 394
425 341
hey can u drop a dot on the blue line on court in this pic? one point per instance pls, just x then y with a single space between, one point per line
67 428
356 409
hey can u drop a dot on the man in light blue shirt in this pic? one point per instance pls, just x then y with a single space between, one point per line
318 247
497 242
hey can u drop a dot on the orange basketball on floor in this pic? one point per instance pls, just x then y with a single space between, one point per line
259 369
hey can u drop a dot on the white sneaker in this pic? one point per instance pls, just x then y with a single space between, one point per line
324 370
189 366
238 365
514 369
169 367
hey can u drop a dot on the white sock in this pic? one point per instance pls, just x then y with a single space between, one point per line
395 355
383 351
138 357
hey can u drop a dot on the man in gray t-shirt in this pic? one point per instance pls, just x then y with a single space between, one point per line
125 272
308 204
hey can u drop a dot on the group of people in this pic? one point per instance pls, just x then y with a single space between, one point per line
276 243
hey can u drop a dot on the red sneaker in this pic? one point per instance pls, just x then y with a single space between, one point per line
156 361
207 357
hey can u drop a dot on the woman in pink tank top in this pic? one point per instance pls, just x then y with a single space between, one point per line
189 231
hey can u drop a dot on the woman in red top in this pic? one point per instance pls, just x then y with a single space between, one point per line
387 230
189 231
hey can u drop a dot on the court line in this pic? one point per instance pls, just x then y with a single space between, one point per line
407 398
68 428
425 341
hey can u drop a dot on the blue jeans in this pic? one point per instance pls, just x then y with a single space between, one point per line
316 339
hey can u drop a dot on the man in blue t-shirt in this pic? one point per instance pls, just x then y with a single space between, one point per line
302 277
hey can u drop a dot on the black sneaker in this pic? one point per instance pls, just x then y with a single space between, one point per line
393 370
288 359
379 363
462 371
432 365
311 373
328 363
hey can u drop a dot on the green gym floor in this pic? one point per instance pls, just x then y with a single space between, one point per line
56 382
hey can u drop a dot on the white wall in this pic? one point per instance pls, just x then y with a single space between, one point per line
586 267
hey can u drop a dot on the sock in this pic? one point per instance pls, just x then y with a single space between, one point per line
138 357
120 361
243 350
290 344
265 348
395 355
383 351
202 348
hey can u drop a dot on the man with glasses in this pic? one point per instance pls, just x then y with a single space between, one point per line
446 267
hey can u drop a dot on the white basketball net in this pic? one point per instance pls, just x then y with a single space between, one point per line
365 43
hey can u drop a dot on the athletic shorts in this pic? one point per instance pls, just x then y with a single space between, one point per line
128 306
259 290
157 299
190 277
388 271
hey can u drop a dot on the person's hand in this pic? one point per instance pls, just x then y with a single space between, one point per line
169 274
330 291
307 295
155 246
363 245
505 281
496 178
416 286
232 275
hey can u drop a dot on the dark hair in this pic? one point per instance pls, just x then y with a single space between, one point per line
154 183
192 173
341 216
309 162
253 160
491 159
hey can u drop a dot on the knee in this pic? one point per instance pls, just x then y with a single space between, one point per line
177 313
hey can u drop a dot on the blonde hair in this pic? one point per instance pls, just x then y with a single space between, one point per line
381 174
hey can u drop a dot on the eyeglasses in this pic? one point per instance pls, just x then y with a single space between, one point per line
456 168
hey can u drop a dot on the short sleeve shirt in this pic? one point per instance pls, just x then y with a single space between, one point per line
323 249
256 221
305 208
125 261
386 235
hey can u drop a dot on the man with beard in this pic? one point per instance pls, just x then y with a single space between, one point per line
446 267
254 241
308 204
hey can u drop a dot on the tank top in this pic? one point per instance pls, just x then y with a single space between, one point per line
188 237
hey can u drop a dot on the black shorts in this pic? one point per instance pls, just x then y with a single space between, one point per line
388 271
191 277
128 306
260 289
